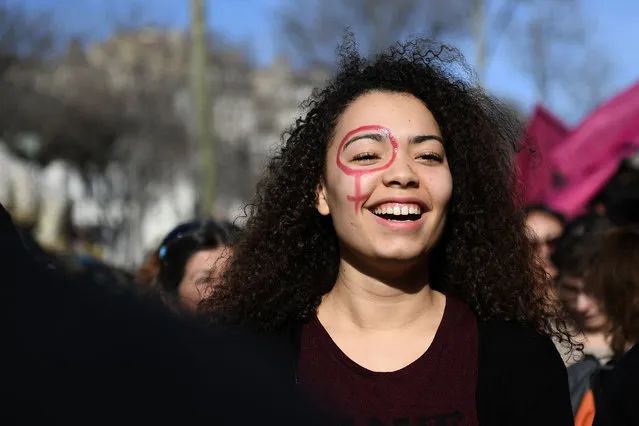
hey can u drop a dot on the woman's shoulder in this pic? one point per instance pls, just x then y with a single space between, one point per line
522 377
509 351
505 338
617 404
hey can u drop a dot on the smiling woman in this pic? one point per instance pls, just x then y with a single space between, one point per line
386 251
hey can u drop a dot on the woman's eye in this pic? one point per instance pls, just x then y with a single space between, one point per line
431 156
366 156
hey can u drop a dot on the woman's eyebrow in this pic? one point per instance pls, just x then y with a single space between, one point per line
374 136
424 138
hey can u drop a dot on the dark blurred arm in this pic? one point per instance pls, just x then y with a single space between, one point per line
81 353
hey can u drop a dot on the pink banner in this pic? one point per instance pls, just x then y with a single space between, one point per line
591 155
573 199
600 136
544 132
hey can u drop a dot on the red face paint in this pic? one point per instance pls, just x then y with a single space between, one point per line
358 197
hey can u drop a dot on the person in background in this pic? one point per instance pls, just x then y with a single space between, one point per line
613 277
573 254
191 259
545 228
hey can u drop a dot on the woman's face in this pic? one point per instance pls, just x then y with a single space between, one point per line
585 308
544 229
202 272
387 183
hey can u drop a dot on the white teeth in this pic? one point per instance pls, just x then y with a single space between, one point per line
397 210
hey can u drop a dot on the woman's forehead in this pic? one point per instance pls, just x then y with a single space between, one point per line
399 114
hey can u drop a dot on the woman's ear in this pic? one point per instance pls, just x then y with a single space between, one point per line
320 200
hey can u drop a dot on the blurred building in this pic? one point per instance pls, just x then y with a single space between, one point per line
137 84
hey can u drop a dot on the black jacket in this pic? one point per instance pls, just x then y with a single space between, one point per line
618 402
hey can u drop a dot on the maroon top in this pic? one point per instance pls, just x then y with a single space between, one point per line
438 389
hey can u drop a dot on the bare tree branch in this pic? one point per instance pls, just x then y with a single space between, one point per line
23 36
555 49
311 29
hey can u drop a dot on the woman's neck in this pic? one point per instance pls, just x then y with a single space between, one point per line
368 303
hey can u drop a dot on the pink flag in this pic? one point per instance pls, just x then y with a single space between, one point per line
600 136
572 200
544 132
588 161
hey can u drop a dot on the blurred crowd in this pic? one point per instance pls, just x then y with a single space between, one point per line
593 262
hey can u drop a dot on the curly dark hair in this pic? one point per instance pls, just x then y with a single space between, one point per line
288 256
574 249
613 278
